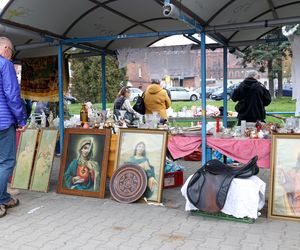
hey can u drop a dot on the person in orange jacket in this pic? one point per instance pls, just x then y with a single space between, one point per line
156 99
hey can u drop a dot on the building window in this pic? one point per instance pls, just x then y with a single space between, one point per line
140 71
237 74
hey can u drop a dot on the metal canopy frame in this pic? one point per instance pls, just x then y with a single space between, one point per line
186 15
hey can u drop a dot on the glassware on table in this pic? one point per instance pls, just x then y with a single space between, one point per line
290 123
155 118
237 132
149 121
243 127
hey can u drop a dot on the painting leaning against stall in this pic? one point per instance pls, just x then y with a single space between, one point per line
84 162
43 161
25 157
284 201
147 149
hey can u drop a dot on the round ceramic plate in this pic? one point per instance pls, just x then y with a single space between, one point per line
128 183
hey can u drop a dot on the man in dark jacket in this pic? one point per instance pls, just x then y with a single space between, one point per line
252 97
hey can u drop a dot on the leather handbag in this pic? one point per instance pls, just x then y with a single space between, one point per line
139 105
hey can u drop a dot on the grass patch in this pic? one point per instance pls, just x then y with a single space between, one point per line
283 104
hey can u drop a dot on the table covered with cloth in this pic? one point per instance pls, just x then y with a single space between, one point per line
239 149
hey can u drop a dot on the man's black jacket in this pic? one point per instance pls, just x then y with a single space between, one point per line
253 97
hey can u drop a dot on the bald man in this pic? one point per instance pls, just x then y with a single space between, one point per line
12 117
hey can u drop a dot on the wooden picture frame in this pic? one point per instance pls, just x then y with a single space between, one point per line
284 197
84 162
153 158
43 161
25 159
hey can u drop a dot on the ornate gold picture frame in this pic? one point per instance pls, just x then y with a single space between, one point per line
284 197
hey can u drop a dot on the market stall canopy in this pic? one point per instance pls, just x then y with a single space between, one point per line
33 24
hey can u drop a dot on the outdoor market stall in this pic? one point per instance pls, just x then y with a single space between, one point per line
36 33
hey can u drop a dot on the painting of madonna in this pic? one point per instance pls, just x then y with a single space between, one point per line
146 149
83 172
84 162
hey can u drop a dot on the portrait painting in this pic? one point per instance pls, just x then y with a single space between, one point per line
147 149
43 161
84 162
25 159
284 198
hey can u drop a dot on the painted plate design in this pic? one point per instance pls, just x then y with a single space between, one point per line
128 183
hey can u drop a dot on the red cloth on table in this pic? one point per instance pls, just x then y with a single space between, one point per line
241 150
180 146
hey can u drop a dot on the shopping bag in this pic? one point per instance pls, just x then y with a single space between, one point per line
139 105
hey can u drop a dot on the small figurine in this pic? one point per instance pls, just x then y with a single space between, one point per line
43 120
253 134
260 134
258 126
109 119
50 120
32 122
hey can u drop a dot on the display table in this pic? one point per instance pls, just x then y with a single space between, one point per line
239 149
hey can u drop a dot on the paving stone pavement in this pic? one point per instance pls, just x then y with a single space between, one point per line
56 221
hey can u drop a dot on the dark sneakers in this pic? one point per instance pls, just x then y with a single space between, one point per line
12 203
2 211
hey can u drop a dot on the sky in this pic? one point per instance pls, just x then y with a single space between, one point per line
179 40
2 4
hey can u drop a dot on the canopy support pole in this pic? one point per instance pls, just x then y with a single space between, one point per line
103 64
60 97
225 87
203 95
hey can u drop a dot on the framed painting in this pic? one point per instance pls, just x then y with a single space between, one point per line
84 162
146 148
284 198
25 159
41 173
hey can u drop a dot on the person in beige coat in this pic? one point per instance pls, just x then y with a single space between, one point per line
156 99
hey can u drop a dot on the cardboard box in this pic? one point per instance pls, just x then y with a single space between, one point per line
173 179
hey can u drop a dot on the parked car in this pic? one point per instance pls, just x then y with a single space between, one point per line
219 95
287 90
135 92
209 91
70 99
182 94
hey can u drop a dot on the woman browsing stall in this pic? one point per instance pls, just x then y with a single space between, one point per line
122 103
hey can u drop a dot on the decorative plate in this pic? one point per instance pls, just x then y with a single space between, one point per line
128 183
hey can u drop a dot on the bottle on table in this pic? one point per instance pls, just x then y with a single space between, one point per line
83 114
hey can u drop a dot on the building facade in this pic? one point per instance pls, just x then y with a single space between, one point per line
138 74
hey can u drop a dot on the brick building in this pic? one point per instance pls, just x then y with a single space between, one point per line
138 74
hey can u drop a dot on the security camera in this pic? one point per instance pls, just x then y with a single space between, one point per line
170 10
167 9
231 50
